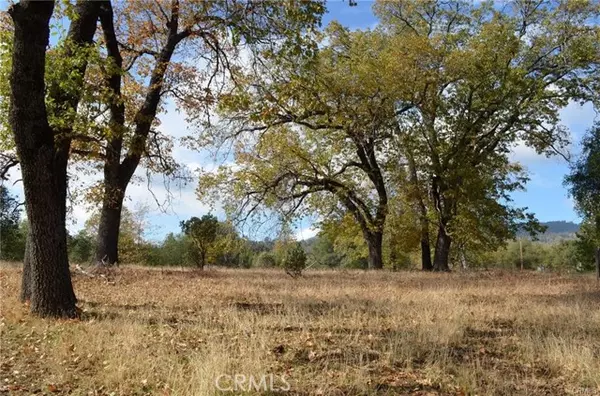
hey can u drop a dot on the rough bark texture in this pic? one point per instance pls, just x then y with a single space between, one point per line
375 243
426 264
107 252
26 277
442 250
43 153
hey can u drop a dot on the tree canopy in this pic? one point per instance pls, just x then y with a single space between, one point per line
426 107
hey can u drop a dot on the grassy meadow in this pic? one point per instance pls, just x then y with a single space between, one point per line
179 332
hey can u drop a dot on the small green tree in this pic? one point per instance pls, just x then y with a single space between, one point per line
203 234
295 260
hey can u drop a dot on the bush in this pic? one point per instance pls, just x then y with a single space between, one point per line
81 247
294 260
265 260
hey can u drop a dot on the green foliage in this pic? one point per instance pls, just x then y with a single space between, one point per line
202 235
346 238
174 250
584 182
563 256
131 234
473 88
12 238
323 253
294 261
535 255
81 247
586 245
452 85
6 43
264 260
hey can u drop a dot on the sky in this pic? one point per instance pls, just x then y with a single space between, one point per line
545 194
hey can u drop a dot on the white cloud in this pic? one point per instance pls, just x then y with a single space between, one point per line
306 233
524 154
577 118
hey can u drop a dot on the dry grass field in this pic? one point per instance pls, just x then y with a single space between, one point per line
172 332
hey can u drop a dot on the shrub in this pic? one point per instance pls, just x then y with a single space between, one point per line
81 247
294 260
265 260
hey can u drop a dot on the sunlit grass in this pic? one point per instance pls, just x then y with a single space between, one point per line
154 331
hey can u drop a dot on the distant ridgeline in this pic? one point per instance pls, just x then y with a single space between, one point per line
557 231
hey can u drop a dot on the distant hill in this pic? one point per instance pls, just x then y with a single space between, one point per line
561 227
556 231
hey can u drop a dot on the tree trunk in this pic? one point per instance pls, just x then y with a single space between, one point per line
442 250
117 173
43 153
26 278
598 263
426 264
375 243
107 246
463 260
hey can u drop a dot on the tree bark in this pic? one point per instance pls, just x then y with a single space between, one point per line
107 248
42 165
43 153
26 277
598 263
375 243
426 264
442 250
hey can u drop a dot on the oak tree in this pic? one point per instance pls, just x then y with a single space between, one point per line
482 79
43 147
203 234
309 136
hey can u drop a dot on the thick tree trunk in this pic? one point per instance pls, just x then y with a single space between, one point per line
107 247
442 250
426 264
26 278
375 243
43 154
42 166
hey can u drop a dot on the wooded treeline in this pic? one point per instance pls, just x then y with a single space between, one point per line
221 245
397 139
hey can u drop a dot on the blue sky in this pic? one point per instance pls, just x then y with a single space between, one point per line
545 194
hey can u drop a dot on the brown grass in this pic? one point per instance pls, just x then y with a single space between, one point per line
173 332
